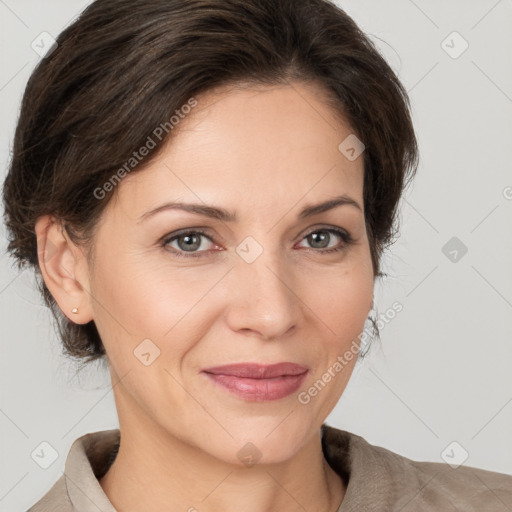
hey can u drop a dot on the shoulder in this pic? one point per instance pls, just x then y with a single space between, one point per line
400 483
78 487
55 500
463 487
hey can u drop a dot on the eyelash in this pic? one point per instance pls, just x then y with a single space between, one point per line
344 235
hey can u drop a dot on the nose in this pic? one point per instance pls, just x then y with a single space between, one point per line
263 301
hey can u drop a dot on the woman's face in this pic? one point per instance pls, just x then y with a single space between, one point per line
257 289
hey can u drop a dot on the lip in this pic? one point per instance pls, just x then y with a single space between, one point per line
258 382
257 371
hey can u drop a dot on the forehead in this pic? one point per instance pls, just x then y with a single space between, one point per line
252 145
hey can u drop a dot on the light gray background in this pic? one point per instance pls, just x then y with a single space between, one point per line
443 373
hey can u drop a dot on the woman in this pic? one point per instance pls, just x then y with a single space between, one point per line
205 190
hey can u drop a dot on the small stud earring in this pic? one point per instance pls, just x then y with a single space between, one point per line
74 310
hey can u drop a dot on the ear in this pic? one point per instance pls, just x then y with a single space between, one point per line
64 269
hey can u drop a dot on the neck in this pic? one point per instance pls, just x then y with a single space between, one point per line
178 476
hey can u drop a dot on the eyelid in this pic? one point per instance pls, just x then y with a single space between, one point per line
321 227
205 231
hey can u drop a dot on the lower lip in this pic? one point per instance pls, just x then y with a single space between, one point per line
259 390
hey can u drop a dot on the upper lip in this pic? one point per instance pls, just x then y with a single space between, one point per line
257 371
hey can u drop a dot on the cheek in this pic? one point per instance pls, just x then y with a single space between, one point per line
137 295
341 298
137 301
342 301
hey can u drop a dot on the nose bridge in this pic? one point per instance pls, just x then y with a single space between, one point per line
263 300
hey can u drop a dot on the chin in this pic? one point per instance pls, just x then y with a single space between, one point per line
263 440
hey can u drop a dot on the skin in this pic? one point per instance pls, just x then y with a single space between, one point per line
271 151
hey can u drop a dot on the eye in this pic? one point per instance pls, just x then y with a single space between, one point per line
187 243
320 238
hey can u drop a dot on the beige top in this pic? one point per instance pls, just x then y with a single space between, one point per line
377 479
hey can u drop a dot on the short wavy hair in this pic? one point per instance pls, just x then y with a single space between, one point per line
125 66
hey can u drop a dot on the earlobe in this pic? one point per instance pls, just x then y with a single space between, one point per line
64 269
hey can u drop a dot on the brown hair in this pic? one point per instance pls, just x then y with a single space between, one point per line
125 66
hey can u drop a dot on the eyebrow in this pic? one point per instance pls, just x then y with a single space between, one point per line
229 216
